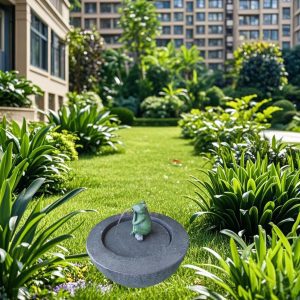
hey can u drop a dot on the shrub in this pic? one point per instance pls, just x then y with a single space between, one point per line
27 249
250 194
125 115
286 106
131 103
149 122
44 160
161 107
95 129
84 99
267 269
15 90
242 92
215 96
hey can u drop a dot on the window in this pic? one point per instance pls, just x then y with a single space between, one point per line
200 17
202 53
215 54
200 42
215 29
215 17
286 13
215 4
116 23
190 6
215 42
90 8
286 45
105 7
270 19
51 101
178 42
166 30
90 23
249 20
201 3
270 3
249 4
249 34
286 30
163 4
164 17
105 23
298 20
75 21
270 35
189 20
111 38
178 3
38 43
214 66
76 8
162 42
189 33
2 30
200 29
58 56
178 16
178 29
116 7
298 4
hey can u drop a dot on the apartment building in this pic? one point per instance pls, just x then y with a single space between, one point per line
32 35
216 27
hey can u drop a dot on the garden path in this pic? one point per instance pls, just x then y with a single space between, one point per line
286 136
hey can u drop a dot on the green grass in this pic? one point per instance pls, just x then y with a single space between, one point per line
144 171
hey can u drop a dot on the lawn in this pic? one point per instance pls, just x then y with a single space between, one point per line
143 171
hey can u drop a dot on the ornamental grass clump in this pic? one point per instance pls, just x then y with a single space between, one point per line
249 194
269 268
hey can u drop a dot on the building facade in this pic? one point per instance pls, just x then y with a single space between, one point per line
32 42
216 27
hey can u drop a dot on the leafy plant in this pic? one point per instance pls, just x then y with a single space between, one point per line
280 116
215 96
44 160
249 194
26 249
15 90
85 98
266 269
94 129
124 114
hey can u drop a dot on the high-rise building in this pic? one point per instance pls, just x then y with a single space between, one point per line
216 27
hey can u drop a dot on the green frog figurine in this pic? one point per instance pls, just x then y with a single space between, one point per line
141 222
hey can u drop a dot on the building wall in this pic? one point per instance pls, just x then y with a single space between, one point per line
215 27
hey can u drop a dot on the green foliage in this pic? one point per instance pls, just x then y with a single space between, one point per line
44 160
84 59
156 122
292 64
28 250
230 125
84 99
260 65
15 91
125 115
131 103
266 269
242 92
215 96
159 78
279 117
249 194
94 128
139 28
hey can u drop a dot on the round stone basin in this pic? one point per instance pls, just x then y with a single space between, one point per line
126 261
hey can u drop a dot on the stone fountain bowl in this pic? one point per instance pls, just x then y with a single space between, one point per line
128 262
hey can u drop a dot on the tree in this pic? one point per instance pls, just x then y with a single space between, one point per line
260 65
140 27
84 59
292 64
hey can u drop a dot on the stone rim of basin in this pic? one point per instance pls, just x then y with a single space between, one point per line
163 262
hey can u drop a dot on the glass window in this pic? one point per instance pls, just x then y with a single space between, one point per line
162 42
38 43
270 35
178 42
249 4
105 7
215 42
286 30
178 3
166 30
286 45
200 29
105 23
178 29
202 53
90 23
215 54
189 33
58 56
270 3
249 34
200 17
200 42
201 3
90 8
286 13
117 7
190 6
75 21
298 20
215 3
249 20
270 19
164 17
163 4
178 16
215 16
215 29
111 38
214 66
189 20
116 23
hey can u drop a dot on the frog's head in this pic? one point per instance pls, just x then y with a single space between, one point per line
140 208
